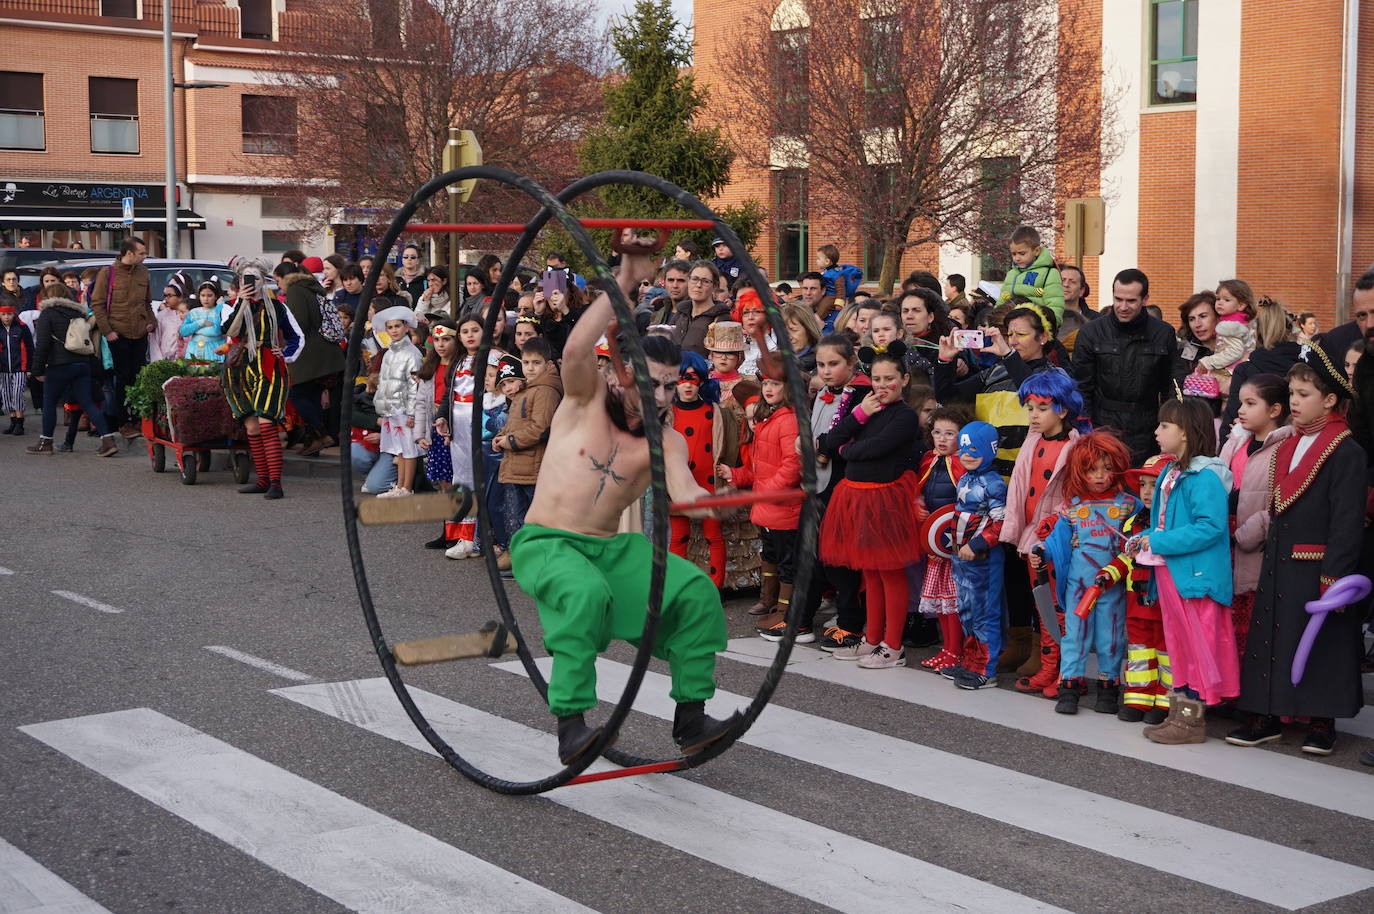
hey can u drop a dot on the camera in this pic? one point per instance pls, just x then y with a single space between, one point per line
968 339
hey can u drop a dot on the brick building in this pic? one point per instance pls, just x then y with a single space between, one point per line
1248 148
82 123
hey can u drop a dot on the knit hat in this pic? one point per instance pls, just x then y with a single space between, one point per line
312 265
725 336
978 439
509 367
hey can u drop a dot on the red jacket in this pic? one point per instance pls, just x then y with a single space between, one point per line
773 465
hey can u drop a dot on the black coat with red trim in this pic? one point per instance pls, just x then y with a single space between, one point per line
1314 540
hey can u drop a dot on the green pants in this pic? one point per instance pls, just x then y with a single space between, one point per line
592 589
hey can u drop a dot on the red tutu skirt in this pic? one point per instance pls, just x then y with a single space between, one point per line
871 526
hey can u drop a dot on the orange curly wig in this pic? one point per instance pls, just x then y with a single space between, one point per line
1084 455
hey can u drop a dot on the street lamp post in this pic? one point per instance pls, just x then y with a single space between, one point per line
170 128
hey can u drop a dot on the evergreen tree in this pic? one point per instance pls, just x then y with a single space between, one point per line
649 126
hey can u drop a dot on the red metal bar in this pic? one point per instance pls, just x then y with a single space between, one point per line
736 501
515 228
655 768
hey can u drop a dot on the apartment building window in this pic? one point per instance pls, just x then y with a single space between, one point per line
269 125
282 208
124 9
255 19
1173 51
274 242
21 111
999 212
114 115
789 198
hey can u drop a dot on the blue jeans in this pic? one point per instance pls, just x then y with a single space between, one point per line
73 378
380 469
494 503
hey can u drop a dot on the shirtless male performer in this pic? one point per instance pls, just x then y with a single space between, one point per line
590 584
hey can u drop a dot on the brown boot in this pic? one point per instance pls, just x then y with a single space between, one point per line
1016 649
768 591
107 447
784 598
1187 725
1173 712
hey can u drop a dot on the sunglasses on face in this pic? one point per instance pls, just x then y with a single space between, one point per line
410 256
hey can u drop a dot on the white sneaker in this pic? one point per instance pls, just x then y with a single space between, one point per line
396 492
460 550
855 651
882 658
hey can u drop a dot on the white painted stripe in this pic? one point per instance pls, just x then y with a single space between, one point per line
809 860
28 887
276 669
341 849
1257 769
85 601
1233 862
5 571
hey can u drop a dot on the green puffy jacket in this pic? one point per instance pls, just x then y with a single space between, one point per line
1038 282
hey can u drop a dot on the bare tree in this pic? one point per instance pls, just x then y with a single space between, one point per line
379 82
922 122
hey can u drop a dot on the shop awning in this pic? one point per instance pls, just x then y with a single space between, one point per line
95 219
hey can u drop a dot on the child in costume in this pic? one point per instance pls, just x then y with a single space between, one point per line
697 415
457 426
443 344
166 342
1262 426
1316 480
263 339
200 329
1147 678
402 401
981 507
938 479
774 464
1052 405
725 345
869 523
1193 581
16 355
1082 539
843 388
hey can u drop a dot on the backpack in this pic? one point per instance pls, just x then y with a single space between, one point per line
78 339
331 325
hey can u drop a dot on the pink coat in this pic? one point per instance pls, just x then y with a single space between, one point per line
1020 530
1252 514
773 466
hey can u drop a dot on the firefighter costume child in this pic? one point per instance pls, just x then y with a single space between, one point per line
1147 678
978 561
1084 537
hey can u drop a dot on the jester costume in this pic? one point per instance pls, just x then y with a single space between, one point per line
980 508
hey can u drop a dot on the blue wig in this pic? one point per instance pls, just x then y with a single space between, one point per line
1055 385
694 368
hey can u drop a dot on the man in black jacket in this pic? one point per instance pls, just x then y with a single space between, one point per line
1126 364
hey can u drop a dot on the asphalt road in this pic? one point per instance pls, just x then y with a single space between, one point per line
891 792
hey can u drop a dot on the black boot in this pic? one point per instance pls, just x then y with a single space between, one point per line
1067 702
18 427
1108 696
253 488
14 423
440 541
574 737
920 631
693 731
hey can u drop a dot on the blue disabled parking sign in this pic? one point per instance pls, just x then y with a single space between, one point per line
128 210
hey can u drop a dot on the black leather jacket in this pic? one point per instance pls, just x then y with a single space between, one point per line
1124 372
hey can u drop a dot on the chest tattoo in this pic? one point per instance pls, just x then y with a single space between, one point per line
606 470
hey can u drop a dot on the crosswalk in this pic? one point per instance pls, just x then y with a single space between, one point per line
366 860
